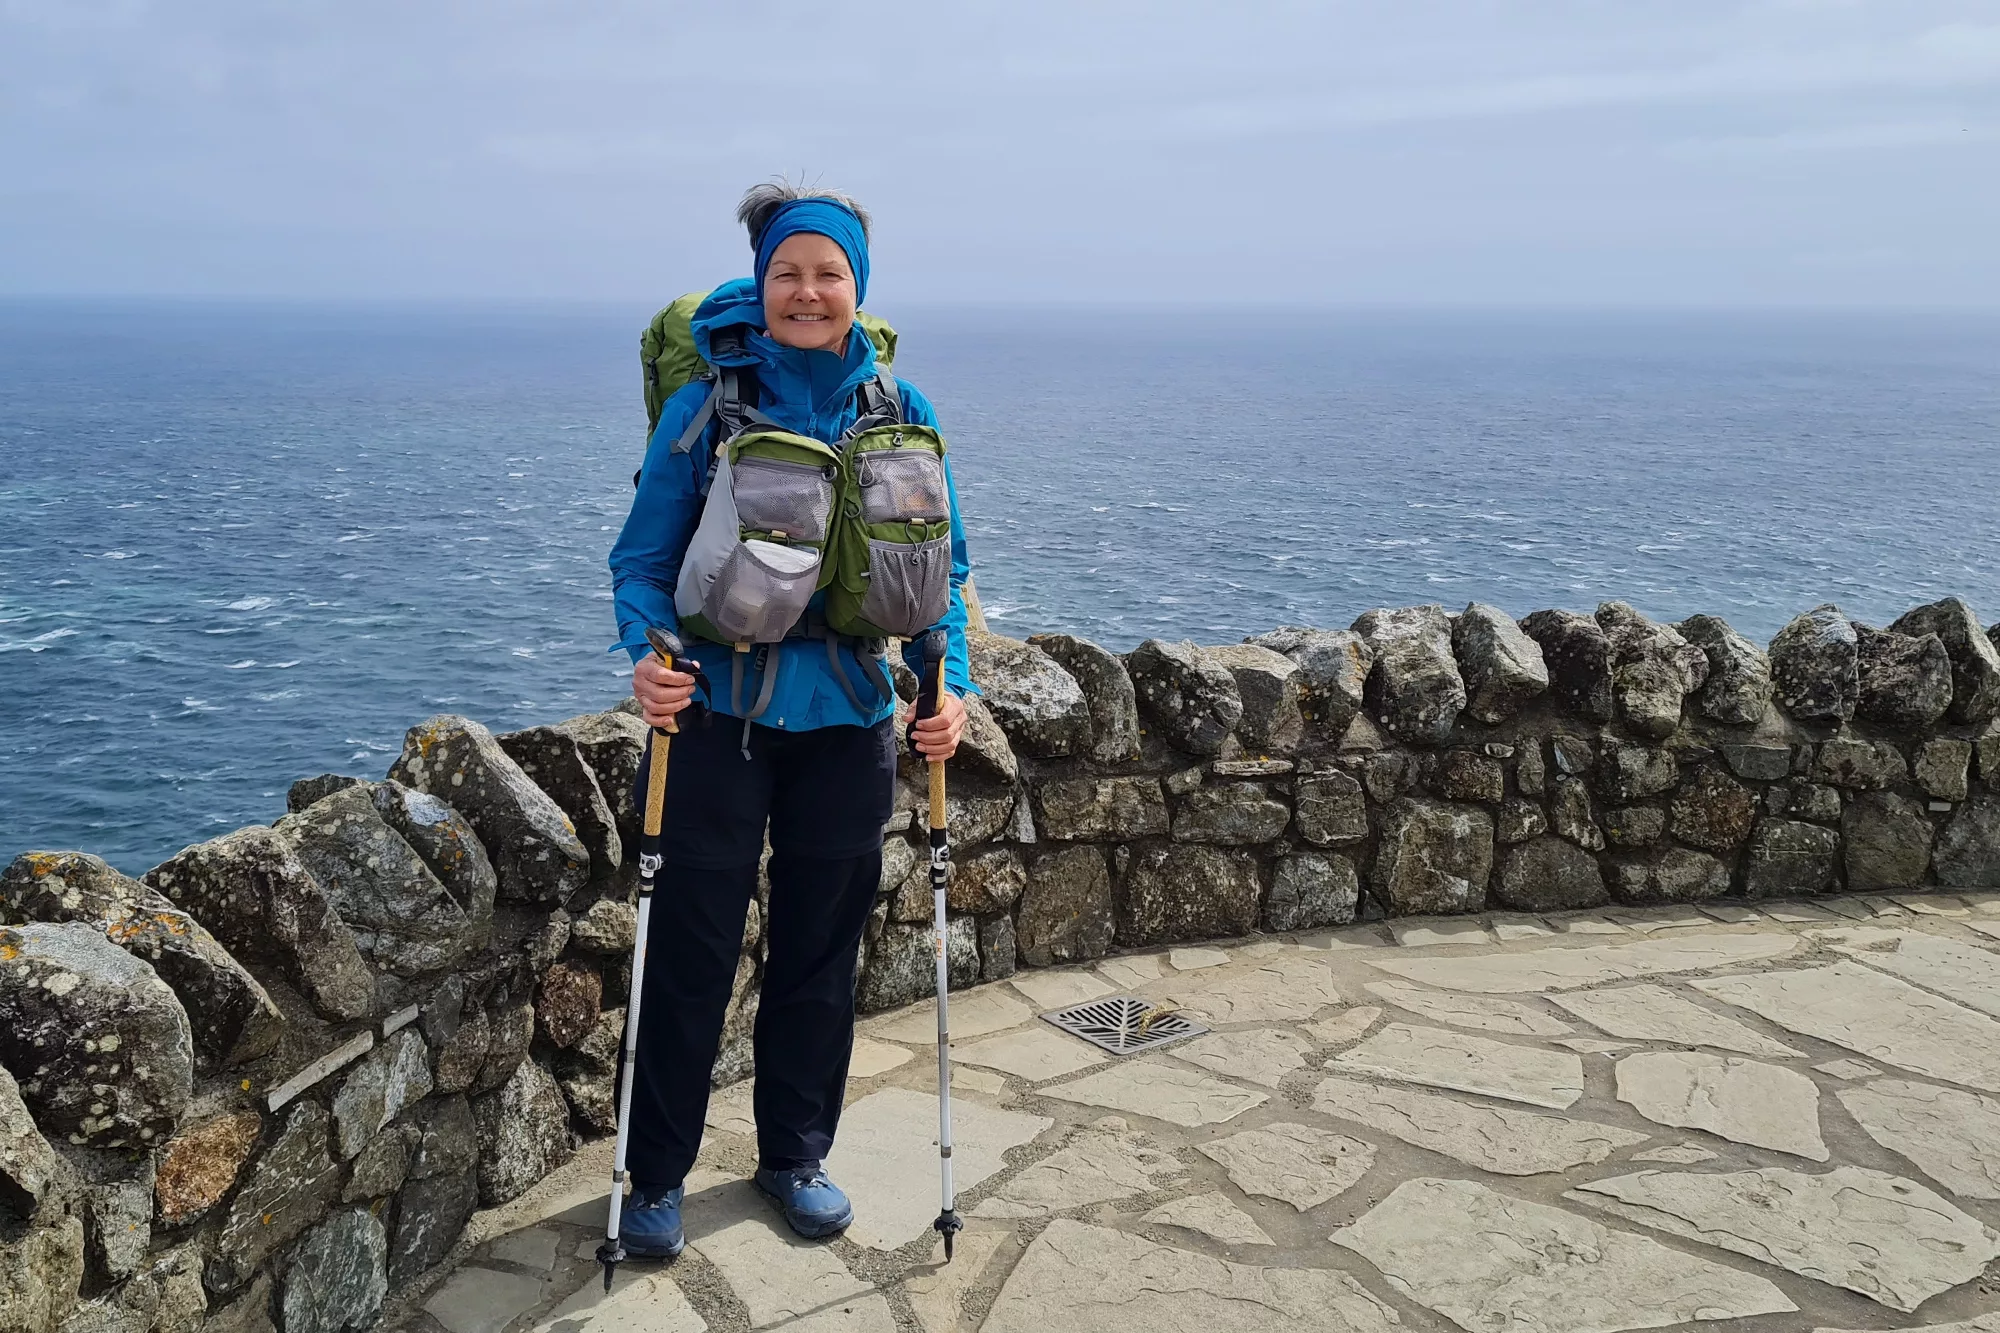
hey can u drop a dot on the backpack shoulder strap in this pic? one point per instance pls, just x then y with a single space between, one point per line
728 406
888 393
701 419
878 402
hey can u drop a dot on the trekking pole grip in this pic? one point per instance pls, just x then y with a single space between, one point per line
666 648
930 688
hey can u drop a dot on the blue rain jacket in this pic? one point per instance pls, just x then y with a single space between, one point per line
812 393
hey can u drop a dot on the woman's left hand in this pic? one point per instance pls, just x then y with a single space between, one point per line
937 735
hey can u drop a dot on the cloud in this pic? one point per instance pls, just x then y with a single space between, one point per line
1430 150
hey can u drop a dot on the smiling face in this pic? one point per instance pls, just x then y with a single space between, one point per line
809 293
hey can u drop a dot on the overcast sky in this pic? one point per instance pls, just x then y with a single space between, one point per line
1403 151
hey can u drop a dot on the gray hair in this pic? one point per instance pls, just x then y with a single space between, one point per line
760 202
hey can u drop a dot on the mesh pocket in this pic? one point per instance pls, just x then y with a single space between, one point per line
762 591
903 486
909 585
794 500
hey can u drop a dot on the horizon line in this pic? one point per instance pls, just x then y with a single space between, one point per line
247 300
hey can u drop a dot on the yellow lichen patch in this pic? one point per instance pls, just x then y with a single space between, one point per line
42 863
9 951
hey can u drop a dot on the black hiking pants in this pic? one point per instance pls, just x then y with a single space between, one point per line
825 795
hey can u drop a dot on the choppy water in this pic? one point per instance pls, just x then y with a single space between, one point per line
240 545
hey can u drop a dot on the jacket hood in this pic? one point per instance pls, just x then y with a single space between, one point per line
789 376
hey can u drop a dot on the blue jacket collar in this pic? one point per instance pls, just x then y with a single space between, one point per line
796 385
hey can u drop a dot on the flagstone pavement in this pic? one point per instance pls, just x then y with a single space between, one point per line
1780 1117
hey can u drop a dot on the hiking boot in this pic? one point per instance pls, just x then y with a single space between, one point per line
814 1205
650 1226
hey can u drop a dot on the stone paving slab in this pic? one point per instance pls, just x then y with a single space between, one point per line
1297 1164
1079 1277
1132 970
1937 904
533 1248
1485 1013
973 1013
1741 1100
937 1293
1964 972
483 1300
1590 925
1647 919
730 1110
1283 990
1728 913
1511 928
1099 1166
1890 1239
1654 1013
1420 934
1873 1015
778 1276
1033 1054
642 1299
1951 1136
875 1057
1827 909
1194 959
1488 1261
1983 1323
1060 990
1160 1091
1264 1056
1491 1138
1558 968
886 1153
968 1078
1466 1063
1211 1215
1343 1027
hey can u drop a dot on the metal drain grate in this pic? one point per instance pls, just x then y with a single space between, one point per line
1122 1024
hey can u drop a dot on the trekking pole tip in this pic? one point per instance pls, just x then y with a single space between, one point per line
948 1224
610 1254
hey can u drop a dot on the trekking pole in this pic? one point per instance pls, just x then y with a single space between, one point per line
667 649
929 691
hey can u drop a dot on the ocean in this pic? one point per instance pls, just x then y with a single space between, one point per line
241 544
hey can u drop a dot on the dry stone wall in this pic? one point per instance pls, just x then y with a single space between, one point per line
271 1079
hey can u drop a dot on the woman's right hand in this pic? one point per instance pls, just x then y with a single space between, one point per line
661 693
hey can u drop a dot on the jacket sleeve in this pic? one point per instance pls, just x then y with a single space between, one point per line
917 409
646 559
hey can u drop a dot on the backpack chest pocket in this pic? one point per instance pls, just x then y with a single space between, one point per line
902 486
785 500
758 551
893 564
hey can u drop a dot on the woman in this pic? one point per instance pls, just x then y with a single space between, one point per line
816 766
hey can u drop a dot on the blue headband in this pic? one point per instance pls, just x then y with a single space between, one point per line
822 217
